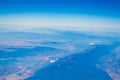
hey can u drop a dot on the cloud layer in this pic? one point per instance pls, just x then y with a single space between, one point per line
69 22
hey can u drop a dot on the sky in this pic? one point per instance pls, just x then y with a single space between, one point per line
74 14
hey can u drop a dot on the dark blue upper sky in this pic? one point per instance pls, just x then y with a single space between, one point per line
106 8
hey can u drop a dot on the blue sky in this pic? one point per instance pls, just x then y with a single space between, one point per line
80 13
106 8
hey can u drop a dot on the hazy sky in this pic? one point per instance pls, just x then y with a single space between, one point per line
74 14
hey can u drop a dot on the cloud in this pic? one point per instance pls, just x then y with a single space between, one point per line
74 22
